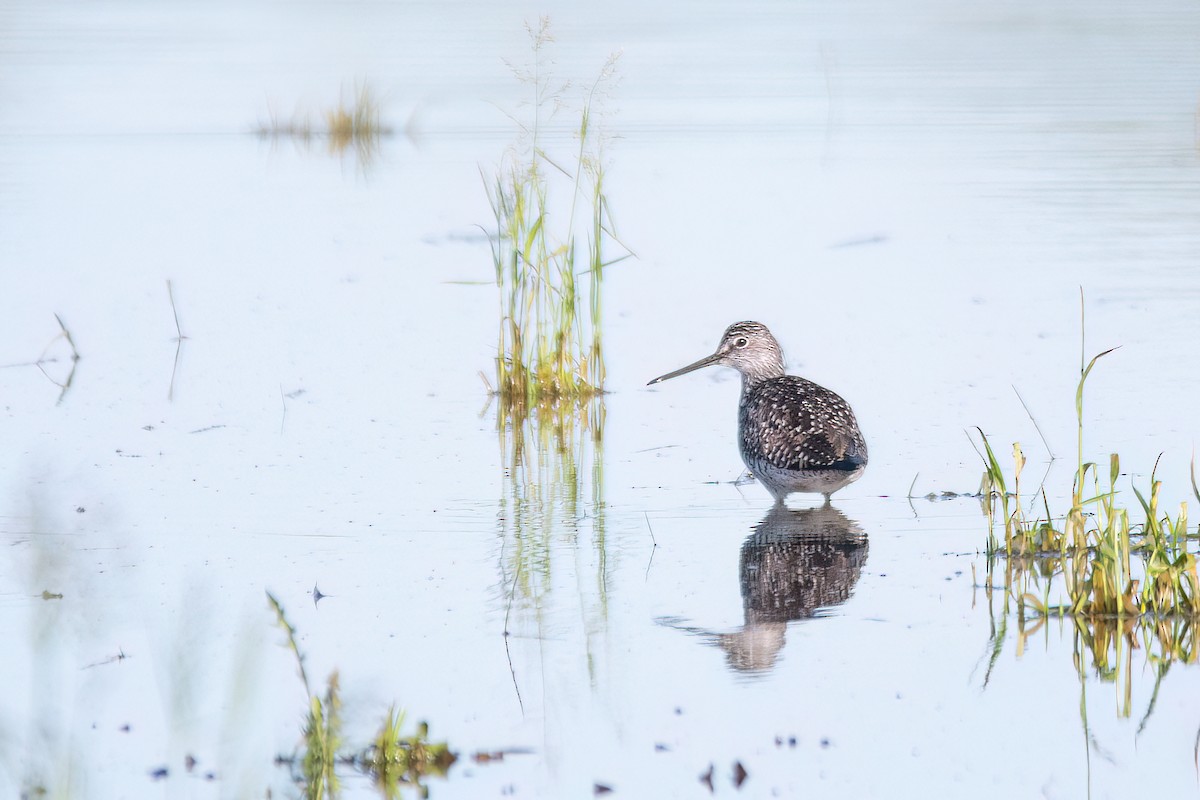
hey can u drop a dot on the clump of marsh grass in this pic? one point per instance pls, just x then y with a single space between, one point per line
1112 568
554 228
1110 565
395 760
322 739
355 124
392 759
1124 580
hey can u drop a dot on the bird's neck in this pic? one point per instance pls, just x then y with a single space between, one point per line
757 373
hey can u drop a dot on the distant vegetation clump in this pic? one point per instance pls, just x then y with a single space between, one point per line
355 124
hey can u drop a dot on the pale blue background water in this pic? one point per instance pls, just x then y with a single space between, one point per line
994 158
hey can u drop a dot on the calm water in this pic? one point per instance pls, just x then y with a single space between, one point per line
910 199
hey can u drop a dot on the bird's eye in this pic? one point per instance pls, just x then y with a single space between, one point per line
741 342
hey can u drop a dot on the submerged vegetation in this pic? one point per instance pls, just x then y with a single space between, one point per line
550 253
354 124
1125 579
391 760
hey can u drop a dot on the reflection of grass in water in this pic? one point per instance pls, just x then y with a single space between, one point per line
551 516
1108 643
353 123
391 759
1119 582
550 302
553 463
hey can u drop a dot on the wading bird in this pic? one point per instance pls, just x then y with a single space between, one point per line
794 435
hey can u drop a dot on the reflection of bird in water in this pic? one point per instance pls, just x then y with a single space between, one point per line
794 435
798 561
793 564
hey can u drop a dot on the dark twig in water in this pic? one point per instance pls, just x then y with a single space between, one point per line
174 312
706 778
912 486
283 402
513 672
174 369
1160 673
63 334
654 543
178 340
1041 490
1035 422
119 657
1196 754
877 238
507 652
487 385
487 403
975 447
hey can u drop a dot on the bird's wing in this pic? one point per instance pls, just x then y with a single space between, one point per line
795 424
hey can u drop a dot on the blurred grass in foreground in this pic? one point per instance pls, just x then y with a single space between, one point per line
392 760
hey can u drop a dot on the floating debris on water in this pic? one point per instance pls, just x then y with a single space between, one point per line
739 775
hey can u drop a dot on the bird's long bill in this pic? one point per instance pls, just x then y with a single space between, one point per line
704 362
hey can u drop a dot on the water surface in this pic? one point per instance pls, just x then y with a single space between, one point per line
911 199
